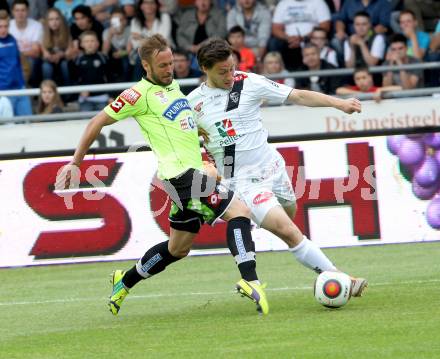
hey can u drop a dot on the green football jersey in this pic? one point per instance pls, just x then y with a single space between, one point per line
166 121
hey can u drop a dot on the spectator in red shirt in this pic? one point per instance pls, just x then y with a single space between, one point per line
247 56
364 84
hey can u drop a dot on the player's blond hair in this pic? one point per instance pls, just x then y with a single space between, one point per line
151 46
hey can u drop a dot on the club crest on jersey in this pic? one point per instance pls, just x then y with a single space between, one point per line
234 96
130 95
175 108
161 96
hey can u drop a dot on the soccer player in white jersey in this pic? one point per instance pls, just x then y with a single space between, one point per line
227 112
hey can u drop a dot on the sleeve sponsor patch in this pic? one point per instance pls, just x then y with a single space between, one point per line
117 105
130 95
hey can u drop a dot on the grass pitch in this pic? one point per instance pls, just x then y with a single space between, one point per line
191 310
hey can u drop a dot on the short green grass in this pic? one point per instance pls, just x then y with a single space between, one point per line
191 310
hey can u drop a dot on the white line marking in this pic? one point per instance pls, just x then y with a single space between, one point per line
188 294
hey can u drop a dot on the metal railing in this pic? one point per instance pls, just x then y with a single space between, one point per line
191 82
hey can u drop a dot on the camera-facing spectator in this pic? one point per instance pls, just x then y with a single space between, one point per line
57 48
427 12
115 40
313 62
364 47
417 41
363 83
273 65
148 20
91 69
318 36
379 11
11 74
197 24
247 56
183 69
398 55
292 22
29 34
84 21
49 100
66 7
256 20
101 9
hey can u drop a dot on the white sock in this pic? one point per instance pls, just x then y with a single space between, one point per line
256 282
311 256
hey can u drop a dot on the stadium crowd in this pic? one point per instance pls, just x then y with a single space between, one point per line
47 43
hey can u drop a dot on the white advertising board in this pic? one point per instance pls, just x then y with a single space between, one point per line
280 121
126 212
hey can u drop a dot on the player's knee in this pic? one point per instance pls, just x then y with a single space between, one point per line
288 233
237 209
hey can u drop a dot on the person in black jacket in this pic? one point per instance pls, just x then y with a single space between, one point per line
91 68
313 62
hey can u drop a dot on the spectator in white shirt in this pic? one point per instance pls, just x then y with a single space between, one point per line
364 47
294 20
318 37
29 34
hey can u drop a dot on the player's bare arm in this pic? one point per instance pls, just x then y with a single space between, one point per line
317 99
90 134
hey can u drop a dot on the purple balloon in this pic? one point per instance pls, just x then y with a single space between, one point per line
437 156
433 213
394 143
424 192
428 172
411 152
432 140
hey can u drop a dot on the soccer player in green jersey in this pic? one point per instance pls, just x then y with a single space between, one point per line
166 121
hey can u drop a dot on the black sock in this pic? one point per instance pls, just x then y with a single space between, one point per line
131 278
242 247
154 261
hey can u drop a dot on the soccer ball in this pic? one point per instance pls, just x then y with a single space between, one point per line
332 289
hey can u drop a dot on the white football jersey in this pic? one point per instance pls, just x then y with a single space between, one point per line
237 138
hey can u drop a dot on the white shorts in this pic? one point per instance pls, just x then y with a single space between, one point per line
268 188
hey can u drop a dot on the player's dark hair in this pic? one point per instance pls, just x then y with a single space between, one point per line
213 50
83 10
151 45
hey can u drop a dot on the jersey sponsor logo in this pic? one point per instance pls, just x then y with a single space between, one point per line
175 108
240 77
214 199
262 197
117 105
187 124
198 107
130 95
225 128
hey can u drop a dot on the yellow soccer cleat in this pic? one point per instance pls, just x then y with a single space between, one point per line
254 292
119 292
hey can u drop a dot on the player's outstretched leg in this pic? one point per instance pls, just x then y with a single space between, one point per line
154 261
305 251
242 248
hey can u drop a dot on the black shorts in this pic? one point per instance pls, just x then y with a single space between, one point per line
196 199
